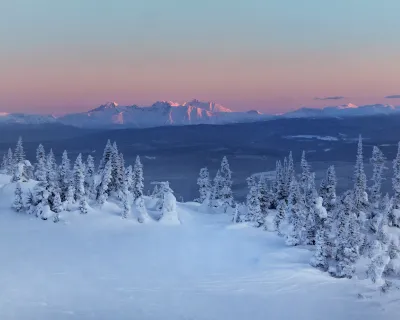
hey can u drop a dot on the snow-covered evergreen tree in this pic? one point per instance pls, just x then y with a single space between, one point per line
360 181
226 191
297 216
313 220
204 184
254 213
265 196
70 197
102 190
65 175
218 184
90 177
108 150
320 258
52 172
378 166
169 213
41 164
328 189
18 203
19 153
394 216
347 237
83 206
279 184
79 178
280 216
142 214
305 173
10 162
138 180
57 203
129 178
289 174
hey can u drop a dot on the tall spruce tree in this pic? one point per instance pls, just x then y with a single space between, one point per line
394 216
19 153
90 177
226 191
253 203
106 155
41 164
138 179
79 178
204 184
102 189
18 203
10 162
360 181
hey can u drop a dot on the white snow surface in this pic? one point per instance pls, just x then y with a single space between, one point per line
99 266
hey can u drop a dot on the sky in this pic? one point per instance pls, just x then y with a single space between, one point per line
59 56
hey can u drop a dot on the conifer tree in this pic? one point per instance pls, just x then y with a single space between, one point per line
378 166
79 178
18 204
70 197
138 180
57 203
19 154
106 155
289 173
280 216
90 177
394 216
10 162
52 171
313 222
226 191
102 190
305 172
265 197
253 203
83 206
65 175
360 181
297 216
169 213
129 178
41 164
218 184
142 214
320 258
348 237
204 184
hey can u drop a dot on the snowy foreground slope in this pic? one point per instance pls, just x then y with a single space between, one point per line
99 266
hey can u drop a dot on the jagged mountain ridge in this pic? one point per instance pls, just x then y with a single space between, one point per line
159 114
167 113
344 110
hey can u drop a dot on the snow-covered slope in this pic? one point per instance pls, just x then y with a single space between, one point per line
99 266
21 118
160 113
346 110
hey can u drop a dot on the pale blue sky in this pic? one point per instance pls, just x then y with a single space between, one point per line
271 55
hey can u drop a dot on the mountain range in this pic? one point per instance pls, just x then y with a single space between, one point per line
167 113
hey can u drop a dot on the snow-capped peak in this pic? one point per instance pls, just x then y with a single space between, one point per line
107 105
209 106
